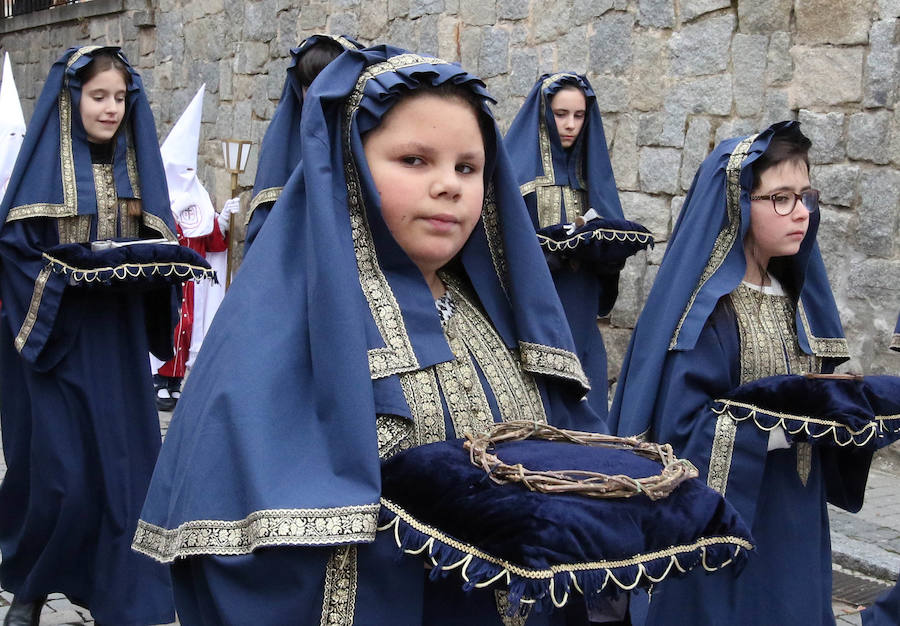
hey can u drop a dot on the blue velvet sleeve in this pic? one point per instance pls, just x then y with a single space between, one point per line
32 294
691 380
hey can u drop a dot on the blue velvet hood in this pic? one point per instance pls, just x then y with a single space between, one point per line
53 176
704 261
274 441
542 161
279 153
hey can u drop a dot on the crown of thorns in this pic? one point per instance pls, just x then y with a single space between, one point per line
482 450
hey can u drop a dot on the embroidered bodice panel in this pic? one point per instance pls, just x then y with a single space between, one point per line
456 392
559 204
112 219
768 336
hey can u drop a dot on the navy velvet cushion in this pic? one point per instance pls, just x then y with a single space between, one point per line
149 264
827 411
542 544
602 244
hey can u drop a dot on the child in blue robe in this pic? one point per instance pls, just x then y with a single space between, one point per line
80 427
559 152
412 306
742 295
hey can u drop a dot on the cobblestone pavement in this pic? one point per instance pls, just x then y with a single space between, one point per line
867 543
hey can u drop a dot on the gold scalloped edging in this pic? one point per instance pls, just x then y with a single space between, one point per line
544 574
873 428
601 234
269 527
129 270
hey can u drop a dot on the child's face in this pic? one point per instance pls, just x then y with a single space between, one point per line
427 160
102 105
773 234
568 106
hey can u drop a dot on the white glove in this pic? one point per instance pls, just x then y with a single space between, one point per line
580 221
232 205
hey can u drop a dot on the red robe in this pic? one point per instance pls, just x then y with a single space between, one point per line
176 367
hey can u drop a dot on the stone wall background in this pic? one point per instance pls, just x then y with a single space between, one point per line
672 79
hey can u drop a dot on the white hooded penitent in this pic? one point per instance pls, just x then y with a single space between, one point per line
12 124
191 204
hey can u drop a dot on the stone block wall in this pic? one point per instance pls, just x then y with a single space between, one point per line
672 77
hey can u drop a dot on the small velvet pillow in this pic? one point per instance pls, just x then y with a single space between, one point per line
540 546
601 245
862 412
134 264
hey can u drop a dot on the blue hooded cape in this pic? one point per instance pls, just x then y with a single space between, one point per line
274 440
279 153
80 426
550 179
685 352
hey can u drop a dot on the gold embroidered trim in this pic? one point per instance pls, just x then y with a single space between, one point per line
490 217
420 388
472 337
549 205
573 201
804 460
31 315
463 393
550 361
80 53
74 229
722 450
27 211
339 599
672 552
528 188
824 347
270 527
157 224
501 598
726 238
270 194
345 43
395 434
107 201
66 158
768 342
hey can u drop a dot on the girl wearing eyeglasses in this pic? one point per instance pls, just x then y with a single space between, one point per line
742 295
